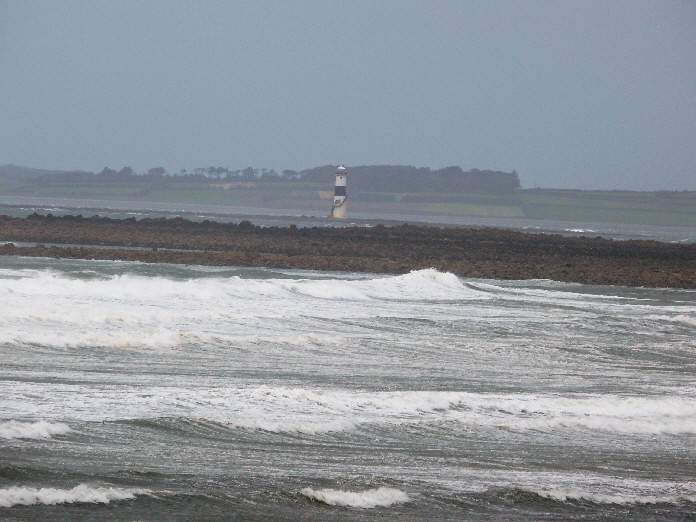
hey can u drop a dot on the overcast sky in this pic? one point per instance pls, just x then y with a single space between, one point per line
576 94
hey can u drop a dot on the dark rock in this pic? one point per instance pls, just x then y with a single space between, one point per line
484 252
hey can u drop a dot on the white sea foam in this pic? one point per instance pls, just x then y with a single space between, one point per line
302 339
328 326
159 314
15 496
262 407
300 410
430 276
642 415
426 285
335 289
421 284
156 339
132 312
569 494
369 498
289 426
666 425
31 430
689 319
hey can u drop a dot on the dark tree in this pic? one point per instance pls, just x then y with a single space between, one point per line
249 174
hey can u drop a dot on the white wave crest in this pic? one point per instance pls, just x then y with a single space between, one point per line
567 494
688 319
310 411
431 275
429 284
664 425
133 312
154 339
288 426
31 430
15 496
639 415
332 289
369 498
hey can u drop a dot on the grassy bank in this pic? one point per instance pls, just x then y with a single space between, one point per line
642 208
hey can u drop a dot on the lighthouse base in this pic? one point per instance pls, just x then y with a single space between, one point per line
339 212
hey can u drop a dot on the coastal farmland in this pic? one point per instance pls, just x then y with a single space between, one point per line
392 191
661 208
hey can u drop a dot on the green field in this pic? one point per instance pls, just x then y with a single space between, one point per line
642 208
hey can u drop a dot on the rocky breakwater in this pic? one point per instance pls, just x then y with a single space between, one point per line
471 252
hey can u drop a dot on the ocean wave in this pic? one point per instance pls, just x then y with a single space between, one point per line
580 230
31 430
127 288
670 415
423 285
572 495
159 314
149 339
302 410
135 312
322 289
15 496
687 319
664 425
369 498
306 427
302 339
430 276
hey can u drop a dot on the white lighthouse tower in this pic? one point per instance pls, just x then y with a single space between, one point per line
339 200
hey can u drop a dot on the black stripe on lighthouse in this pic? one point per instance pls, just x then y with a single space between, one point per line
340 191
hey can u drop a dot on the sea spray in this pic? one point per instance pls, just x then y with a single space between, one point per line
31 430
369 498
50 496
227 392
574 495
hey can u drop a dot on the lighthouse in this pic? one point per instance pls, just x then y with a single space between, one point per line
339 200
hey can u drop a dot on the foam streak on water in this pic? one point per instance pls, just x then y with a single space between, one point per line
361 499
288 394
82 493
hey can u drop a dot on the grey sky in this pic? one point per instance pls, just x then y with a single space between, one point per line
570 94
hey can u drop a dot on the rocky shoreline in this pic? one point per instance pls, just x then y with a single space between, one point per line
470 252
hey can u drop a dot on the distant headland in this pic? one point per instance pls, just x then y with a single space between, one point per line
392 190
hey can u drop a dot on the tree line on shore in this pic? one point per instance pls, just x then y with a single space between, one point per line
376 178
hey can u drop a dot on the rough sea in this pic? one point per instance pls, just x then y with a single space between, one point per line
134 392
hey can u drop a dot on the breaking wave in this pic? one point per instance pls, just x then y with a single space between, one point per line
580 230
663 425
370 498
570 495
637 415
135 312
15 496
31 430
134 289
680 318
310 411
289 426
156 313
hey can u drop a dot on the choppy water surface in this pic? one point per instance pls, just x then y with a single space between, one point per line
161 392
